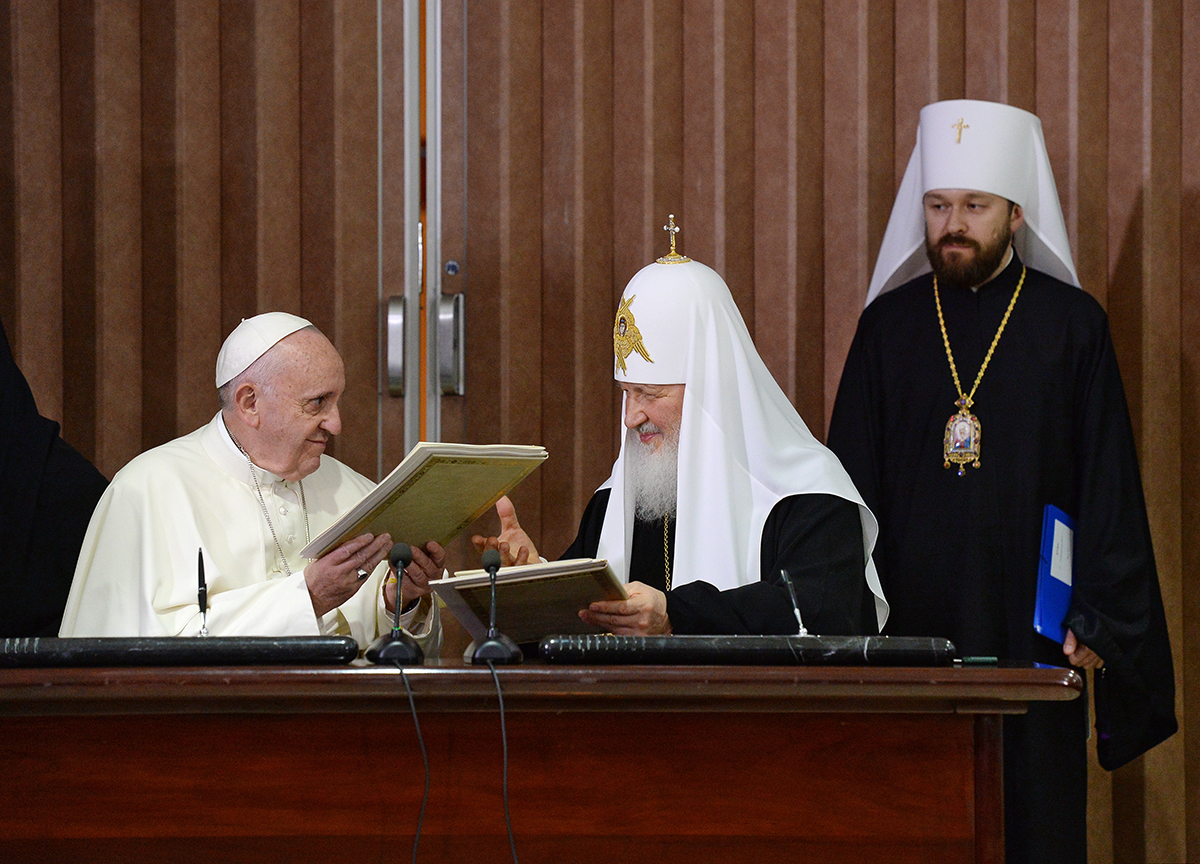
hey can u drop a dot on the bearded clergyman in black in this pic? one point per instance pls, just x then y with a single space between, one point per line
973 397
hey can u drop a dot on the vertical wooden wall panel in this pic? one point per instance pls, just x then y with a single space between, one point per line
648 108
454 189
1161 447
718 142
9 97
859 158
391 212
239 164
353 289
1001 53
482 262
1126 236
160 230
277 116
929 66
788 218
1189 414
337 188
1085 173
577 247
196 79
31 252
318 167
118 228
79 278
504 242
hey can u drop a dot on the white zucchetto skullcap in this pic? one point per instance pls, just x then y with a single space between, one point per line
985 147
253 338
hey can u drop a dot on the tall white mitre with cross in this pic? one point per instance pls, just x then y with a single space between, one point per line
986 147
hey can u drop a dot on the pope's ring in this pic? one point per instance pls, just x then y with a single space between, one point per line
362 574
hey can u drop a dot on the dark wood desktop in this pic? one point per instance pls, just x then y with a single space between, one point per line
655 764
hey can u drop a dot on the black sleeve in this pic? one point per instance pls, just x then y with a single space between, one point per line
587 541
1116 603
818 540
45 516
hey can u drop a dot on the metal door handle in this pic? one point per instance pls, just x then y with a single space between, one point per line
395 346
451 338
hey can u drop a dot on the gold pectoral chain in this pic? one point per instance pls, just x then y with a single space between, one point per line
962 439
667 549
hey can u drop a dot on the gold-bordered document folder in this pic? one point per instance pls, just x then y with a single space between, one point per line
532 600
433 494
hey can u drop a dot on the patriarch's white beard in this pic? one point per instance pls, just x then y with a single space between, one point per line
652 474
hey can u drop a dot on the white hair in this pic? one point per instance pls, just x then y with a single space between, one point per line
652 474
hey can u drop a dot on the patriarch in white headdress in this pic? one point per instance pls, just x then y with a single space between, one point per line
742 447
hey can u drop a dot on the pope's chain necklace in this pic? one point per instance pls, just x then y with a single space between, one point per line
263 504
962 439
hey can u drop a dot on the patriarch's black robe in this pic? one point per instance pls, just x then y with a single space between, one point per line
49 493
817 538
958 556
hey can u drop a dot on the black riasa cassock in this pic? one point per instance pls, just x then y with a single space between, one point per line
817 538
958 556
50 491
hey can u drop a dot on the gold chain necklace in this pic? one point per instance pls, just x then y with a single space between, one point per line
961 442
667 550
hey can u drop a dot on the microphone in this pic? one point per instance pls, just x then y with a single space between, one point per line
795 606
397 647
496 648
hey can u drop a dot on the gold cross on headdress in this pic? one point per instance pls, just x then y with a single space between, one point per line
960 125
673 258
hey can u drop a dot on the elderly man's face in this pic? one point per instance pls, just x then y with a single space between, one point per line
967 234
298 410
654 412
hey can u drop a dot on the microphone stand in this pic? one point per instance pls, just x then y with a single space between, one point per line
496 648
397 648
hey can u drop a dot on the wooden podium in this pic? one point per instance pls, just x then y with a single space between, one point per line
622 764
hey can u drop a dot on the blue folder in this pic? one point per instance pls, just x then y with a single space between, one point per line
1055 574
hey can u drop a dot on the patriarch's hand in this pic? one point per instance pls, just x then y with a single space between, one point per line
643 614
513 543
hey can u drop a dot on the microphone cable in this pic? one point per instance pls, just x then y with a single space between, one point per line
424 758
504 749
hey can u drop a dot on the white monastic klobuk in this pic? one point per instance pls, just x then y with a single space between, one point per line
742 446
986 147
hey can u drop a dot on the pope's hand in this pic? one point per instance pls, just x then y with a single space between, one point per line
428 563
643 614
334 577
513 543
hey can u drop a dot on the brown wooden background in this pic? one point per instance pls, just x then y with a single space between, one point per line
169 166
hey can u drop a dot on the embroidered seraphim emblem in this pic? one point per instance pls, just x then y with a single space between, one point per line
626 336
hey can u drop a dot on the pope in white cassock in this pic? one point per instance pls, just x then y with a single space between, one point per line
248 490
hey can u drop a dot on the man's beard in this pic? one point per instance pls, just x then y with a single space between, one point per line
652 474
963 271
